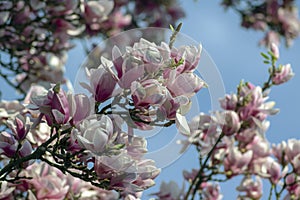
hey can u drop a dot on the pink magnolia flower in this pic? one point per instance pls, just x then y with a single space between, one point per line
66 8
171 105
101 85
270 38
189 176
6 191
10 109
275 172
268 168
293 187
169 191
79 107
25 150
119 169
296 164
47 182
292 149
116 22
212 192
53 104
253 103
186 84
203 132
279 152
146 173
229 102
39 134
20 126
136 147
148 93
236 162
94 134
251 188
290 23
126 174
86 191
283 74
229 122
190 56
94 12
8 144
259 146
292 152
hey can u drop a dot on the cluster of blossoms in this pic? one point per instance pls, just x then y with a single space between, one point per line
232 142
80 140
156 81
35 35
274 17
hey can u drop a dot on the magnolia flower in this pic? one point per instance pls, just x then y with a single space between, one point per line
101 85
25 150
186 84
86 191
253 105
251 188
236 162
173 104
79 107
8 144
271 37
190 56
229 122
94 12
259 146
212 192
148 93
10 109
292 149
274 170
53 104
293 187
47 182
169 191
283 74
229 102
279 152
94 133
6 191
20 126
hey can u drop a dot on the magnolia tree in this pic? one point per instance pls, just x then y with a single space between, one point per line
274 17
60 144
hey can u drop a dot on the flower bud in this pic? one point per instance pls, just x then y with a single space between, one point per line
275 50
8 144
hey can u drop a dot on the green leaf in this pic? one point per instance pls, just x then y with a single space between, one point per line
172 28
265 56
56 88
266 62
119 146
